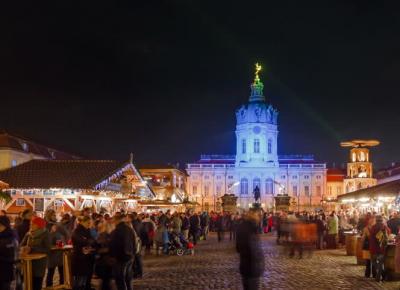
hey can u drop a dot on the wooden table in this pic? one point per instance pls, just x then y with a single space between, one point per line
66 267
27 268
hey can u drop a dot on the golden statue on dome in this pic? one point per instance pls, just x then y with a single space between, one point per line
258 69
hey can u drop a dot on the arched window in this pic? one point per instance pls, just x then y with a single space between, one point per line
256 182
269 186
244 186
256 145
269 146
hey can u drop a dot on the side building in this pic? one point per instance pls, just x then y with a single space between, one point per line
15 150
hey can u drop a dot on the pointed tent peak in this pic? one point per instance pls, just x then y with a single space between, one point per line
257 86
131 157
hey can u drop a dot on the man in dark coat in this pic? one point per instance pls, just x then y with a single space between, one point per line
248 246
122 249
194 229
8 253
394 224
82 259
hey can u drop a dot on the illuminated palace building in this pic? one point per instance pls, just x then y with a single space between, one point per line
257 164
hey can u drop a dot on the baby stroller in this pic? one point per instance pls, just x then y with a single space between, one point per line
179 245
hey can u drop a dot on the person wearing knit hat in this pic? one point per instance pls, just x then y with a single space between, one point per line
37 241
8 253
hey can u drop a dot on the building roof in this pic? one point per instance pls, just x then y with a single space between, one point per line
283 159
391 188
77 174
392 170
18 143
335 175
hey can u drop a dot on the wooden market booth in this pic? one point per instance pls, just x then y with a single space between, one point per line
67 185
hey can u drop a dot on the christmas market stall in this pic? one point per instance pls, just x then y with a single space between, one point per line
68 185
381 198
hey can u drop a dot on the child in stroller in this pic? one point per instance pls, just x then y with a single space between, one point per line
179 245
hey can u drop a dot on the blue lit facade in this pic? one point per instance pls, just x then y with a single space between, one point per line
257 163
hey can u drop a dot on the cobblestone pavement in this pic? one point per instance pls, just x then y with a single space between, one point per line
215 266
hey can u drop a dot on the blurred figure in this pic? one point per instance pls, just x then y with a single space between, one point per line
57 234
320 232
394 223
82 259
37 241
24 226
377 243
204 223
366 234
248 246
185 225
122 247
194 230
8 253
333 230
103 267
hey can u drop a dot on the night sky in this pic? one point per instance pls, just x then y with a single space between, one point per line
162 79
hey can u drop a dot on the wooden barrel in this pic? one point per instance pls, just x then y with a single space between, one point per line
359 251
351 244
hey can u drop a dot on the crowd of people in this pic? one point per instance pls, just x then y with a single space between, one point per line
111 247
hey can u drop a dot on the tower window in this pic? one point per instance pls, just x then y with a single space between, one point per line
244 186
243 146
269 146
256 145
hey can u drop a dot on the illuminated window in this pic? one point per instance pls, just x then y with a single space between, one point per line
256 145
25 146
244 146
318 190
244 186
269 146
269 186
306 190
206 190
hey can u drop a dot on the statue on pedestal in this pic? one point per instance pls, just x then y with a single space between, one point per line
257 194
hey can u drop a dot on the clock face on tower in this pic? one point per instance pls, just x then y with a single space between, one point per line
256 130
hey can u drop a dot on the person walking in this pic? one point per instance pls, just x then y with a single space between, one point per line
37 241
82 258
185 225
103 267
220 227
369 268
333 230
8 253
194 221
204 223
248 245
377 244
122 250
